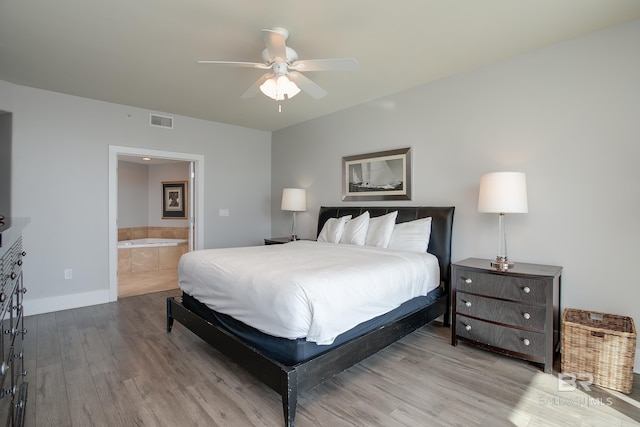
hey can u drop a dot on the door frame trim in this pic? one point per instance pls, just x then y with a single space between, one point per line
196 215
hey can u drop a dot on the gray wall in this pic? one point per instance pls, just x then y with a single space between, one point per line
60 180
567 116
133 195
157 175
5 164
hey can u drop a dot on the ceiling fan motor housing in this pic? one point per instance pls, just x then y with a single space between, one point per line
292 56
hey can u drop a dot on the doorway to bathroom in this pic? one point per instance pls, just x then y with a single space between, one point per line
155 211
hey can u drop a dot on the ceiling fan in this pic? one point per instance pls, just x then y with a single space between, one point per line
285 78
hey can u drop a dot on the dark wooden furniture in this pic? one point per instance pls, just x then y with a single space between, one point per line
277 240
514 312
289 380
13 387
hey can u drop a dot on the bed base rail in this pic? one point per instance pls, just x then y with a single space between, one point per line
286 380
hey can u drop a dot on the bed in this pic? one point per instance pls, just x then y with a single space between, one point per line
290 362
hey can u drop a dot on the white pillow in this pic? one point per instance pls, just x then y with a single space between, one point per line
355 230
411 236
380 229
332 229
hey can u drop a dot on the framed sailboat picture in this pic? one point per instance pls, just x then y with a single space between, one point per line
385 175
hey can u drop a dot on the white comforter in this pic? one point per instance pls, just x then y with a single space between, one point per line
306 289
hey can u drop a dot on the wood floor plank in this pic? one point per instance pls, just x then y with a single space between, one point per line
85 407
115 365
49 395
71 351
48 343
120 408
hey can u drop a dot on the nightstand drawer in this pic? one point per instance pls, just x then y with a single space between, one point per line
277 240
503 337
514 288
511 313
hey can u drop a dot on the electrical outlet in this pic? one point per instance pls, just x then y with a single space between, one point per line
223 212
68 273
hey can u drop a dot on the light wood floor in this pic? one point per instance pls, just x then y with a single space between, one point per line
115 365
130 284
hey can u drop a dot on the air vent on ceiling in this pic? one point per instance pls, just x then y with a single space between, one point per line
161 121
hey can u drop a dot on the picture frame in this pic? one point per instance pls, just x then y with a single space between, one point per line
174 200
384 175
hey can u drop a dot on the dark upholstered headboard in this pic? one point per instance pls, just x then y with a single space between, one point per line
441 226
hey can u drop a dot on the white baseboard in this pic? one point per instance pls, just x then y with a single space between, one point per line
66 302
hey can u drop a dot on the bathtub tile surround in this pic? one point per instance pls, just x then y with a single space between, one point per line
124 261
143 259
168 256
155 258
169 232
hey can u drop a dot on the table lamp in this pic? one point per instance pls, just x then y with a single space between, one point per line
295 200
501 193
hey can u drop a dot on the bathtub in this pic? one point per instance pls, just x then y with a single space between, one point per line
150 254
151 242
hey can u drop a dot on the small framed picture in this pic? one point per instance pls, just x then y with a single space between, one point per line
174 200
385 175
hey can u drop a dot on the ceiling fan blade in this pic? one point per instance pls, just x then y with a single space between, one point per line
236 64
255 88
274 41
307 85
345 64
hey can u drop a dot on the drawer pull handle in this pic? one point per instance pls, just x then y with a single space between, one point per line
468 281
526 289
527 316
467 327
468 303
526 342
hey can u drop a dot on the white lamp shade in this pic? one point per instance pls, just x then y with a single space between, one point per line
503 192
294 199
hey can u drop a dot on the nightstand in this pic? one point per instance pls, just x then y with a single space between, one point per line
514 312
277 240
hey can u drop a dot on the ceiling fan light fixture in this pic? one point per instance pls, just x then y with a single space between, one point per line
279 87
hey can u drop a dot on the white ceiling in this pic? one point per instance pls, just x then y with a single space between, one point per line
143 53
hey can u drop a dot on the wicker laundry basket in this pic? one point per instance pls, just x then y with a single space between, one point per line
599 344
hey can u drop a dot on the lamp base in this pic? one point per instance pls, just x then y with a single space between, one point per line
502 264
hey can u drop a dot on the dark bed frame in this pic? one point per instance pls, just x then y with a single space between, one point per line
289 380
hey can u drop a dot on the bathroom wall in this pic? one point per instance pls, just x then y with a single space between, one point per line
157 175
133 187
140 194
